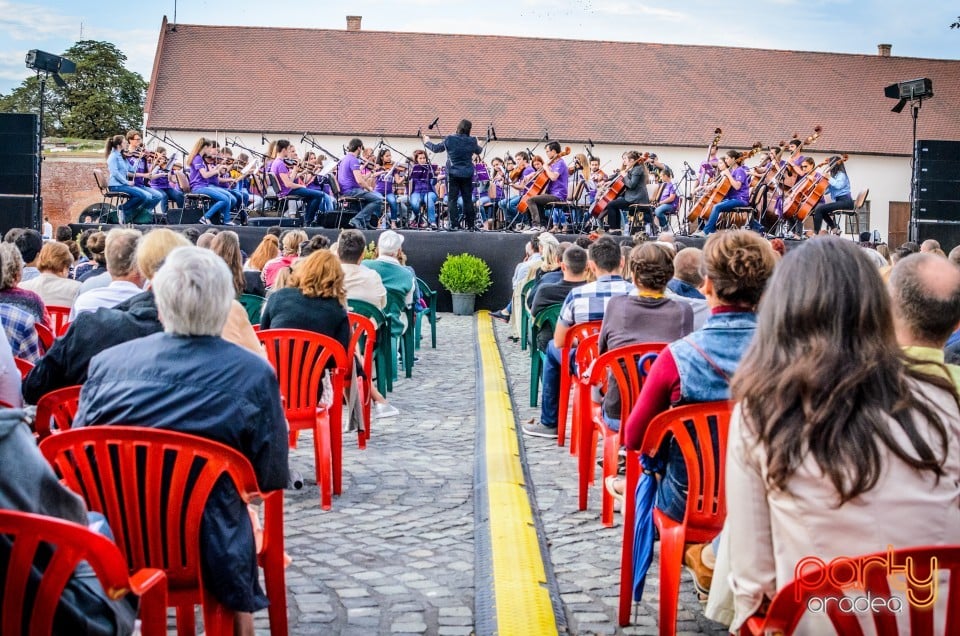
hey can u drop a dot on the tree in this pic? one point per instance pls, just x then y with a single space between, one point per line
102 98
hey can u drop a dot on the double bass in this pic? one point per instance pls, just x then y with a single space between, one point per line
539 183
814 187
614 190
715 194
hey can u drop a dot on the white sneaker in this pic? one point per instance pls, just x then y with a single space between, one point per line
382 410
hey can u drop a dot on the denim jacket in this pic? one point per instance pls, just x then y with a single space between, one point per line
724 337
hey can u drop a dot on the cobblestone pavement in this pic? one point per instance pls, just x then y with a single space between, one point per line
395 555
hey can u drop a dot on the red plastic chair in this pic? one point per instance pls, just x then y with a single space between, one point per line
299 357
59 319
363 340
587 352
791 601
24 366
57 408
706 511
574 335
68 544
137 477
45 336
628 365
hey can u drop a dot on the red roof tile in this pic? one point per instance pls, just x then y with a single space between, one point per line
272 80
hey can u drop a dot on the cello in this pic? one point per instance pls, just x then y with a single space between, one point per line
818 187
539 183
715 194
614 190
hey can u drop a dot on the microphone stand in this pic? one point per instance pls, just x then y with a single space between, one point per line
688 177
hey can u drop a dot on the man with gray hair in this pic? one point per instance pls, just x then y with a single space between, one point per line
189 379
397 279
925 290
126 280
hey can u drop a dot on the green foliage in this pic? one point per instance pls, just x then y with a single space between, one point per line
465 274
102 98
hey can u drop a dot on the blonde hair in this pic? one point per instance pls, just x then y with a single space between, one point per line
292 240
268 249
320 276
54 257
154 247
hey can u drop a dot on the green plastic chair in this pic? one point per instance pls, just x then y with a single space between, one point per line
405 341
546 319
254 306
382 353
430 296
525 313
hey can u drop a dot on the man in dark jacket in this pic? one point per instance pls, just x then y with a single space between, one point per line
460 149
189 379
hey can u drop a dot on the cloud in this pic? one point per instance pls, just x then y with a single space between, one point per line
21 21
617 7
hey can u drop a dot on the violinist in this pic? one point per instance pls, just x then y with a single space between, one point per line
667 198
482 200
520 178
385 185
240 174
226 162
635 192
422 178
737 195
353 183
597 177
498 180
314 180
460 148
139 158
839 190
160 180
204 176
286 169
140 203
556 170
791 168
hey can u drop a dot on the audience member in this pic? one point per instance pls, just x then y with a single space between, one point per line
164 381
930 245
96 245
582 304
126 280
84 262
531 256
63 234
574 269
686 282
269 248
397 280
29 242
361 283
9 374
238 328
10 291
290 242
316 242
54 285
855 441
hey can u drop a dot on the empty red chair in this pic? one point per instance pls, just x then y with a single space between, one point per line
138 478
791 601
363 341
573 338
56 410
587 352
59 319
45 335
24 367
300 357
628 366
68 544
706 506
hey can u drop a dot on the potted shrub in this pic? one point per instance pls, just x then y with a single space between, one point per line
464 276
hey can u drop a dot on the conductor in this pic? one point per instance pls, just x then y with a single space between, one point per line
460 149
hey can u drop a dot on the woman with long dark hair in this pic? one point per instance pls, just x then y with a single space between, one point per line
839 446
839 190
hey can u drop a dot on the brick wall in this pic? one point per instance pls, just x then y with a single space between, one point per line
68 187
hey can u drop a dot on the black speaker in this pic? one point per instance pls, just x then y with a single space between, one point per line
19 154
938 170
938 190
946 232
17 211
937 150
20 124
929 210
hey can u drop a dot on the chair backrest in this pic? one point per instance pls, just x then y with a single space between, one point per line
579 332
587 351
60 317
300 357
701 432
101 182
56 410
545 319
45 335
334 185
819 581
525 290
274 182
363 340
32 592
152 486
253 304
369 310
861 199
24 367
425 290
183 182
628 366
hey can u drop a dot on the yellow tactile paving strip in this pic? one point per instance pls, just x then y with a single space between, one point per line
523 604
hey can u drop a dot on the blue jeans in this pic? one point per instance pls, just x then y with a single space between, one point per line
661 213
142 200
430 198
372 204
550 397
170 194
718 209
313 199
222 202
394 206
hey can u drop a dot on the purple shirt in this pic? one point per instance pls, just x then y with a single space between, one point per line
278 168
138 164
480 180
160 180
558 187
385 183
743 194
198 181
667 190
420 176
345 177
526 173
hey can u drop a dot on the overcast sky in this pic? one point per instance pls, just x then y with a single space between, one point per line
915 29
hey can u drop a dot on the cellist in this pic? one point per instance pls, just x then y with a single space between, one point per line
839 190
556 190
635 191
737 195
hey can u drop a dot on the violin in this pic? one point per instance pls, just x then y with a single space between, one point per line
539 183
616 187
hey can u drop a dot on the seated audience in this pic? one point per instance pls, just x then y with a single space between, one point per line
857 440
125 279
10 291
86 262
164 381
361 283
290 242
238 328
29 242
54 285
686 282
531 255
574 269
9 374
269 248
396 279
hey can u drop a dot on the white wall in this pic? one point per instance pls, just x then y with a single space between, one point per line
888 178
